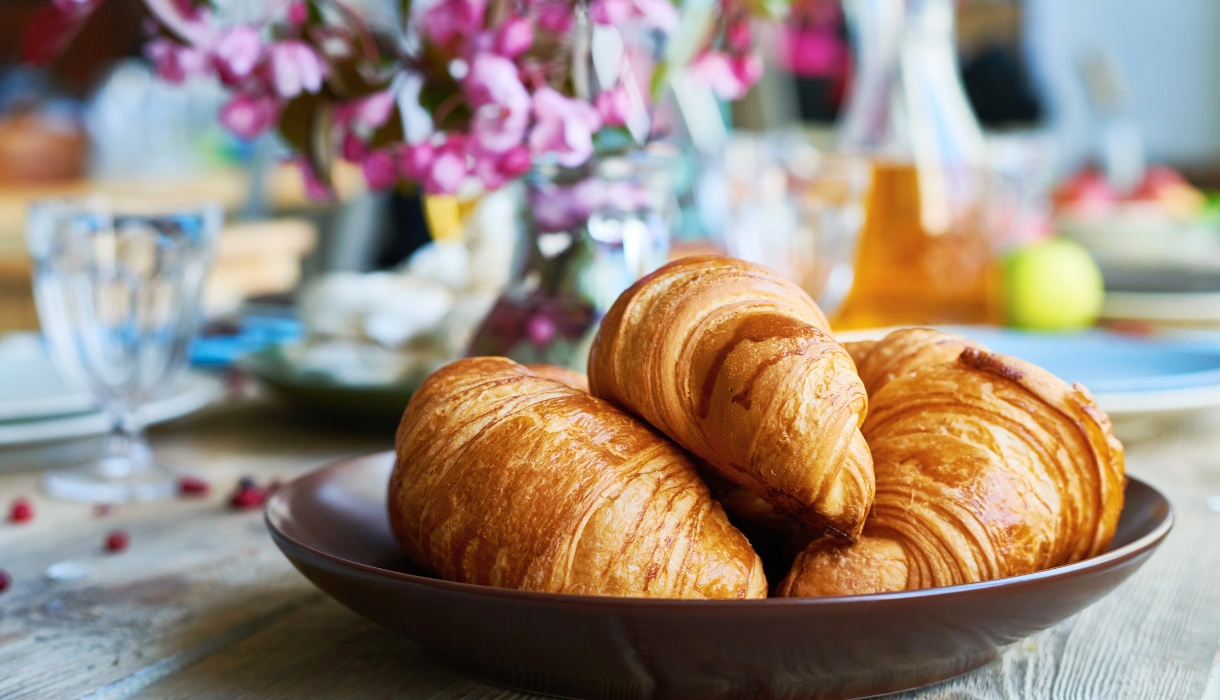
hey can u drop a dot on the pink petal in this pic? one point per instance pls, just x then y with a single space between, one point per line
514 37
380 170
447 173
238 50
415 160
247 117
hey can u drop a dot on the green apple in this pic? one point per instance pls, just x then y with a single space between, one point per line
1052 285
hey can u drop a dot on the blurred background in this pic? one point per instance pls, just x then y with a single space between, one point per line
1091 130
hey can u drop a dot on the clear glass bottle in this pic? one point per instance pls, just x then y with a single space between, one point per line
924 255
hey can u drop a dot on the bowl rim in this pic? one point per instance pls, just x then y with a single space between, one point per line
1102 562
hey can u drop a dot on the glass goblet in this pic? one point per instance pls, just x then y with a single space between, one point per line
117 285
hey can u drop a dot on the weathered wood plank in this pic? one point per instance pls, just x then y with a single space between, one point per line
323 651
196 572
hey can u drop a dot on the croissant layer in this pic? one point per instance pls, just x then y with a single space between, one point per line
506 478
734 363
987 466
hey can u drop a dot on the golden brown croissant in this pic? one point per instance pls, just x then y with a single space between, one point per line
734 363
563 375
508 479
987 466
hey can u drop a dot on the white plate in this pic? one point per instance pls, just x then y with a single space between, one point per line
193 392
30 388
1129 377
1200 308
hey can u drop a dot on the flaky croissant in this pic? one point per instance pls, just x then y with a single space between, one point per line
987 466
508 479
735 363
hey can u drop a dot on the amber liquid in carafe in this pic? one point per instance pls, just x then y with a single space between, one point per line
906 274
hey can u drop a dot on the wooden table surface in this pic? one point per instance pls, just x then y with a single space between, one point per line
202 604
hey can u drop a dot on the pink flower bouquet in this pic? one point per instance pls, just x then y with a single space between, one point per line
444 92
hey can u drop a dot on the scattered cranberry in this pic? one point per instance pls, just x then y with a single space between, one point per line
247 497
117 540
22 511
101 510
5 580
193 486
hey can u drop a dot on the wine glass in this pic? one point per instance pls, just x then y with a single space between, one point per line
117 285
788 205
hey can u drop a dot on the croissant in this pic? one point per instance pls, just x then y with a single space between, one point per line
508 479
563 375
987 466
734 363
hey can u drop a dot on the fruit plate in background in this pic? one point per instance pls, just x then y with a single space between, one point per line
1129 376
332 525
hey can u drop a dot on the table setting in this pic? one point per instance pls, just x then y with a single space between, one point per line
886 424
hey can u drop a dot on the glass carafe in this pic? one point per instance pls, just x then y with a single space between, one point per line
924 255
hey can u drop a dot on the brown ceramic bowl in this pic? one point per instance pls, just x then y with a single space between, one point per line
332 525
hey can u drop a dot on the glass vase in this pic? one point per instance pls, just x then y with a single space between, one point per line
588 233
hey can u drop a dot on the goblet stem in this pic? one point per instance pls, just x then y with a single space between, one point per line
125 471
126 450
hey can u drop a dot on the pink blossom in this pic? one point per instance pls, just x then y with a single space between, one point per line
729 76
248 116
656 14
614 105
816 52
514 37
515 162
174 62
540 329
451 19
501 102
487 170
660 14
315 189
555 17
415 160
298 13
563 128
380 170
446 174
738 35
747 67
353 148
295 68
367 112
236 52
610 11
190 23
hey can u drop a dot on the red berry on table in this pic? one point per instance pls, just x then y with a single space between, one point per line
247 497
22 511
5 580
193 486
117 540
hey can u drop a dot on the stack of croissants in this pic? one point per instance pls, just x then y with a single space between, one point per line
720 420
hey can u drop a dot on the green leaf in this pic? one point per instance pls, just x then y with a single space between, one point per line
314 12
773 10
389 133
321 152
297 120
349 79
